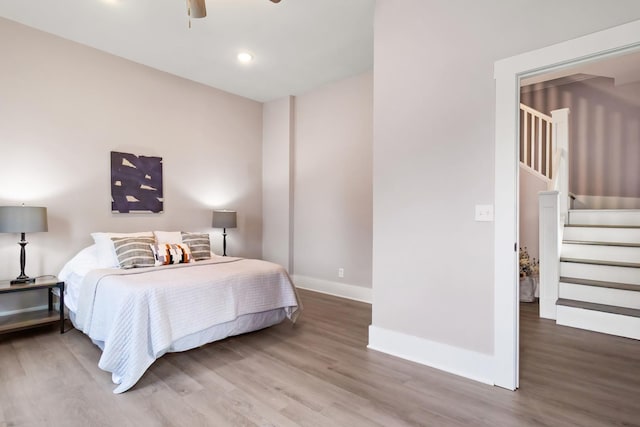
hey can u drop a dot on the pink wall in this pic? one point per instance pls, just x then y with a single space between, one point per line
433 265
277 144
332 181
64 107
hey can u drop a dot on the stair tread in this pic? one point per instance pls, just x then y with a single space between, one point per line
604 210
600 284
599 243
600 262
602 226
632 312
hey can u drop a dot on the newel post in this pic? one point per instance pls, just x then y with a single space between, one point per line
560 120
550 240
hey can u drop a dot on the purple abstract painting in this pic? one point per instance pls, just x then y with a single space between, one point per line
136 183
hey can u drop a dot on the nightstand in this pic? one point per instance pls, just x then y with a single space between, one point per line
31 319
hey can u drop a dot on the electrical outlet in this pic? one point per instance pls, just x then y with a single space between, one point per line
341 272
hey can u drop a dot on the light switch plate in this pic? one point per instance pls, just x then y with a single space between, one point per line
484 212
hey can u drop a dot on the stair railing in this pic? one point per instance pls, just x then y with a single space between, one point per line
536 141
553 214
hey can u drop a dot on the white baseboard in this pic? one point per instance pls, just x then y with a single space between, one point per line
458 361
548 308
343 290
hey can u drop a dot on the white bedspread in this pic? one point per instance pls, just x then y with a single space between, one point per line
139 313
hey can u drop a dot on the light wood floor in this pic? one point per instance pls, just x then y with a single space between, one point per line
319 373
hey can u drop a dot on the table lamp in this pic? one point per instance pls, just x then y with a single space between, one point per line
23 219
224 219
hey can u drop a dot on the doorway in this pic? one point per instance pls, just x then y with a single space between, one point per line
508 73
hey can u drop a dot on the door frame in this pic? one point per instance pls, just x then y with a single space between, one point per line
507 73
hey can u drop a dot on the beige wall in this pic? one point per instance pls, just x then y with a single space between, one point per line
64 107
434 154
332 182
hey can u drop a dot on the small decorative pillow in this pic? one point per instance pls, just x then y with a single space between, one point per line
199 245
106 252
168 236
134 251
168 253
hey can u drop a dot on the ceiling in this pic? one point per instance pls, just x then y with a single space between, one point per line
618 75
297 45
623 68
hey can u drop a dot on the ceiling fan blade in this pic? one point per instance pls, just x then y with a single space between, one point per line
197 8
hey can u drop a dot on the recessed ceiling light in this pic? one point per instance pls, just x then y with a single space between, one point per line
245 57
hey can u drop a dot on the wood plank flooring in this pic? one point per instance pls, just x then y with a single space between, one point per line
320 373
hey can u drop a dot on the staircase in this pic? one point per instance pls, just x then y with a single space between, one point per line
599 287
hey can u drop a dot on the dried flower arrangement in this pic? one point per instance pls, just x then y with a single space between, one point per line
528 267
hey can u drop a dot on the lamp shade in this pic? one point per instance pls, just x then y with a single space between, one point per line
224 219
23 219
197 8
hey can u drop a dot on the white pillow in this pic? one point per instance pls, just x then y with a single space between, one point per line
171 237
106 252
83 262
73 273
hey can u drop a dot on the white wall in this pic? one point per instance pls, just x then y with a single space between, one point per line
64 107
332 186
530 186
433 278
277 144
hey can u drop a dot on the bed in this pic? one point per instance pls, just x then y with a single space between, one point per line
136 315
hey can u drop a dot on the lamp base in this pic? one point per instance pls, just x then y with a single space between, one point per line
23 280
224 242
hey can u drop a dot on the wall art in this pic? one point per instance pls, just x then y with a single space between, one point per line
136 183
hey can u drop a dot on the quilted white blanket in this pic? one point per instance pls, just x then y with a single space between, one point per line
137 314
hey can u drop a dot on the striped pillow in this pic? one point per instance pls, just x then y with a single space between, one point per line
134 251
170 253
199 245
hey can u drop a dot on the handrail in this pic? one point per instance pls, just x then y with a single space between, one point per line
534 112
